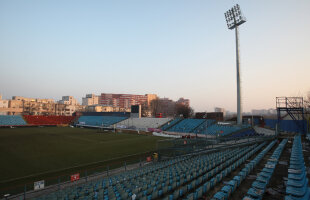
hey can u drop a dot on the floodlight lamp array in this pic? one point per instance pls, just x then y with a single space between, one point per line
234 17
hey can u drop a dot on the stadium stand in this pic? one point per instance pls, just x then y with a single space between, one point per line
99 120
143 123
259 185
221 130
12 120
173 179
186 125
170 124
204 126
232 185
244 133
297 184
48 120
264 131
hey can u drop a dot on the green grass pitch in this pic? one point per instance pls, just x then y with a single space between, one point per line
28 151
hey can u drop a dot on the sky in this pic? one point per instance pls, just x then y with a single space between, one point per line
174 48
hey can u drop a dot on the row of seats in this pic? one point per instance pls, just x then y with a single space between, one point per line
170 124
220 130
200 191
48 120
258 187
89 189
297 184
201 129
208 178
99 120
264 131
233 184
187 125
12 120
243 133
194 175
157 183
174 180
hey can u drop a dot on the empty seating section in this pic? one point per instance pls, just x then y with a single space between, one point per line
243 133
171 179
12 120
203 126
187 125
170 124
297 184
99 120
48 120
221 130
235 182
143 123
264 131
259 186
201 129
231 186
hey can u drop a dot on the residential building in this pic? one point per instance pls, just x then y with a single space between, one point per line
125 100
3 103
99 108
68 100
19 98
90 100
183 101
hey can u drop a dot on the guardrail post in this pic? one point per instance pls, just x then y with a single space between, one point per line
140 162
86 174
108 170
58 183
25 189
125 166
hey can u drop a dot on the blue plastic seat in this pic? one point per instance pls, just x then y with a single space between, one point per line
227 189
297 191
255 193
259 185
219 196
233 184
297 183
305 197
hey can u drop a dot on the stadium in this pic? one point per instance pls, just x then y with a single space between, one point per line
118 156
62 151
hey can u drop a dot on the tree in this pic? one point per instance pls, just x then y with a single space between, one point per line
145 110
154 106
185 111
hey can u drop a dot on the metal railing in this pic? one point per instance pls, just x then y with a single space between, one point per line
55 180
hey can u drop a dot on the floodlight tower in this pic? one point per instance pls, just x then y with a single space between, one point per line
234 18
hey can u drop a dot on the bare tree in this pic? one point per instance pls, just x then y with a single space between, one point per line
185 111
145 110
154 106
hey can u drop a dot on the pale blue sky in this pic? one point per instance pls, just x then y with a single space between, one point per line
179 48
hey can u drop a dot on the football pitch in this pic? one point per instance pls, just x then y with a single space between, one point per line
30 151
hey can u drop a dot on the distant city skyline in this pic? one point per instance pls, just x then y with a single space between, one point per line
50 49
91 96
